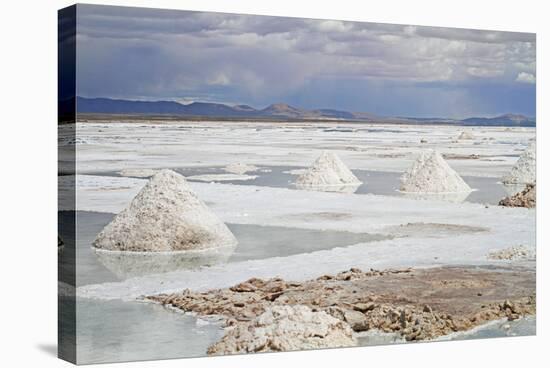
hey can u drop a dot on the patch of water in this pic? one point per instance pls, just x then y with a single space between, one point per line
255 242
117 331
486 190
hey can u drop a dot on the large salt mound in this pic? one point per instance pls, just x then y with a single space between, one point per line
285 328
525 169
166 215
430 173
327 170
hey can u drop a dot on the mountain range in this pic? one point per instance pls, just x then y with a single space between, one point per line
278 111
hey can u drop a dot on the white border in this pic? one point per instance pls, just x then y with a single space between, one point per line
29 182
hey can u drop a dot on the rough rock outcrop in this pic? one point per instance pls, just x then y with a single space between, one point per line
285 328
166 215
526 198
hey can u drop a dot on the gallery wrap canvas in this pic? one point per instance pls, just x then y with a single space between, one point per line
241 184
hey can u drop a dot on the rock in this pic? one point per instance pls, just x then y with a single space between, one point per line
519 252
364 307
356 320
327 170
526 198
285 328
166 215
430 173
525 169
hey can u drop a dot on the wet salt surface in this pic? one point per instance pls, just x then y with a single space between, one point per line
115 331
486 190
255 242
500 328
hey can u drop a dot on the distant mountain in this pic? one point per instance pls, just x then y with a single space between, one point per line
283 110
278 111
502 120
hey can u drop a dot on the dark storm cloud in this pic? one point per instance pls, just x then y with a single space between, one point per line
162 54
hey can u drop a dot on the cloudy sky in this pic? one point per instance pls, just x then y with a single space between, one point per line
384 69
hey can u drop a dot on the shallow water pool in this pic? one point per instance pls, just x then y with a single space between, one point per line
255 242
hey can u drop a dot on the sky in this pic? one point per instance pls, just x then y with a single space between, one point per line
384 69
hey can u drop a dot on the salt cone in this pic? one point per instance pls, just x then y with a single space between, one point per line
525 169
430 173
166 215
328 170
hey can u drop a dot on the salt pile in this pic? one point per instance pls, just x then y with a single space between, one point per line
525 169
166 215
327 170
239 168
138 173
430 173
466 135
285 328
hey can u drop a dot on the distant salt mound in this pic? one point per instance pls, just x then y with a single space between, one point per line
327 170
138 173
285 328
166 215
525 169
466 135
239 168
430 173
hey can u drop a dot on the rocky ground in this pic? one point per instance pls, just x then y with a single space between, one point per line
526 198
418 304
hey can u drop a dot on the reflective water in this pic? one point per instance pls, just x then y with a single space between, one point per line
255 242
116 331
486 190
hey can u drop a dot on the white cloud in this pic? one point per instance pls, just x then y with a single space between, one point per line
524 77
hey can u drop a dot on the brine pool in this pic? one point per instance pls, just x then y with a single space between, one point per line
254 242
486 190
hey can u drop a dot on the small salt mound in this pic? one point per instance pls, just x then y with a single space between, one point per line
466 135
430 173
525 169
327 170
239 168
285 328
166 215
138 173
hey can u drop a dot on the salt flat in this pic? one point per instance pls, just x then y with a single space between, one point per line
480 230
108 146
427 232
